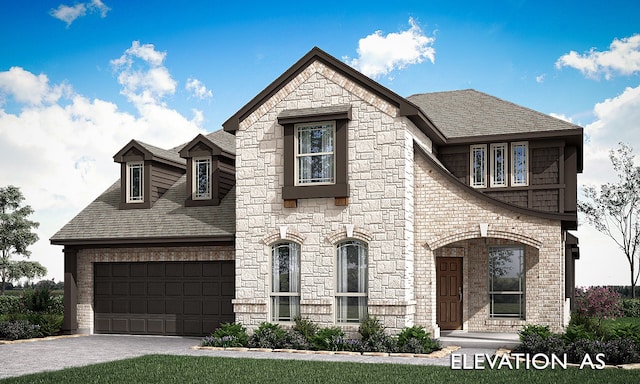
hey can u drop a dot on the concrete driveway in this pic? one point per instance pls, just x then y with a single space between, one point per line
54 354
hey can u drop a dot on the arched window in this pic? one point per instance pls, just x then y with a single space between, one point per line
351 285
285 281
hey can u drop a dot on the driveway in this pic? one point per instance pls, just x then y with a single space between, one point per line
55 354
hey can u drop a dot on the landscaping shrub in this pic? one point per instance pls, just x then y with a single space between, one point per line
38 299
598 302
370 327
631 308
416 340
49 324
325 339
18 329
9 304
621 351
533 329
228 335
578 332
306 328
273 336
533 343
630 331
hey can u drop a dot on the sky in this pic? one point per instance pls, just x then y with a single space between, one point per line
80 79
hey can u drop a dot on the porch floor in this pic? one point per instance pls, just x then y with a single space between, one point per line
479 339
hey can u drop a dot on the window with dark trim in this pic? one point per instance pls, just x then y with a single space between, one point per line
351 276
135 182
311 151
201 178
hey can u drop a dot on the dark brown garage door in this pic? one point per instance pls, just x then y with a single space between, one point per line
163 298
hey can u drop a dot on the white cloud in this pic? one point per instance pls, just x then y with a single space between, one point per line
144 78
198 89
616 121
379 55
562 117
623 57
69 14
58 145
540 78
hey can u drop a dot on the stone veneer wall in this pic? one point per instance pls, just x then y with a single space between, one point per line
447 214
86 258
378 148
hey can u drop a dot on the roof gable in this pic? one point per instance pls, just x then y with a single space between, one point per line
202 143
406 108
149 152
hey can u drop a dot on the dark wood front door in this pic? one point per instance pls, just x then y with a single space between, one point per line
449 296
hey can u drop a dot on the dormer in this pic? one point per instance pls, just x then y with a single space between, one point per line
146 173
210 172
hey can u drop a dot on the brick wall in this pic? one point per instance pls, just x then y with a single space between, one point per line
86 258
448 215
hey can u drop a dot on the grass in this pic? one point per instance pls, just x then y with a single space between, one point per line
202 369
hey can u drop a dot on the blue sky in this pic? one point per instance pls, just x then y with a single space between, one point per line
79 79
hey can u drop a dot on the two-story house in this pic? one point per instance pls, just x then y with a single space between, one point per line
329 196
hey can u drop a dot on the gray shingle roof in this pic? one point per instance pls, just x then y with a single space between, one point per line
168 218
163 153
469 113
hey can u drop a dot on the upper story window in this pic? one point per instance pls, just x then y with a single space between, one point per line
519 168
315 153
499 160
478 166
285 281
135 182
201 178
315 158
351 273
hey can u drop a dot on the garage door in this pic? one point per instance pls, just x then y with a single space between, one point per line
163 298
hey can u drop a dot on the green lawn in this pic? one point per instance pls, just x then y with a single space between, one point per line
201 369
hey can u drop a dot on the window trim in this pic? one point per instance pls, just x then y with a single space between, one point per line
522 284
296 164
472 174
294 304
194 178
341 114
364 294
128 168
505 165
524 144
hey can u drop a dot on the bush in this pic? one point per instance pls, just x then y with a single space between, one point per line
535 343
370 327
306 328
578 332
18 329
228 335
621 351
532 329
273 336
629 331
631 308
49 324
598 302
38 299
9 304
416 340
325 339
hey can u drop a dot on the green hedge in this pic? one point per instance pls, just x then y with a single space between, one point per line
631 308
9 304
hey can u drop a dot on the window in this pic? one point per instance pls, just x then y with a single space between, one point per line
499 165
315 157
285 281
478 166
506 282
519 171
202 178
351 292
135 182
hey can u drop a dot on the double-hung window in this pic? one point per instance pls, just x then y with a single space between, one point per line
506 282
499 164
315 153
201 178
519 172
135 182
478 166
351 292
285 281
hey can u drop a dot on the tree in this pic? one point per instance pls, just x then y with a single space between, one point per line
15 237
614 209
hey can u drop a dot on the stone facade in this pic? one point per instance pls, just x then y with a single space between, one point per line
378 148
400 205
88 256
